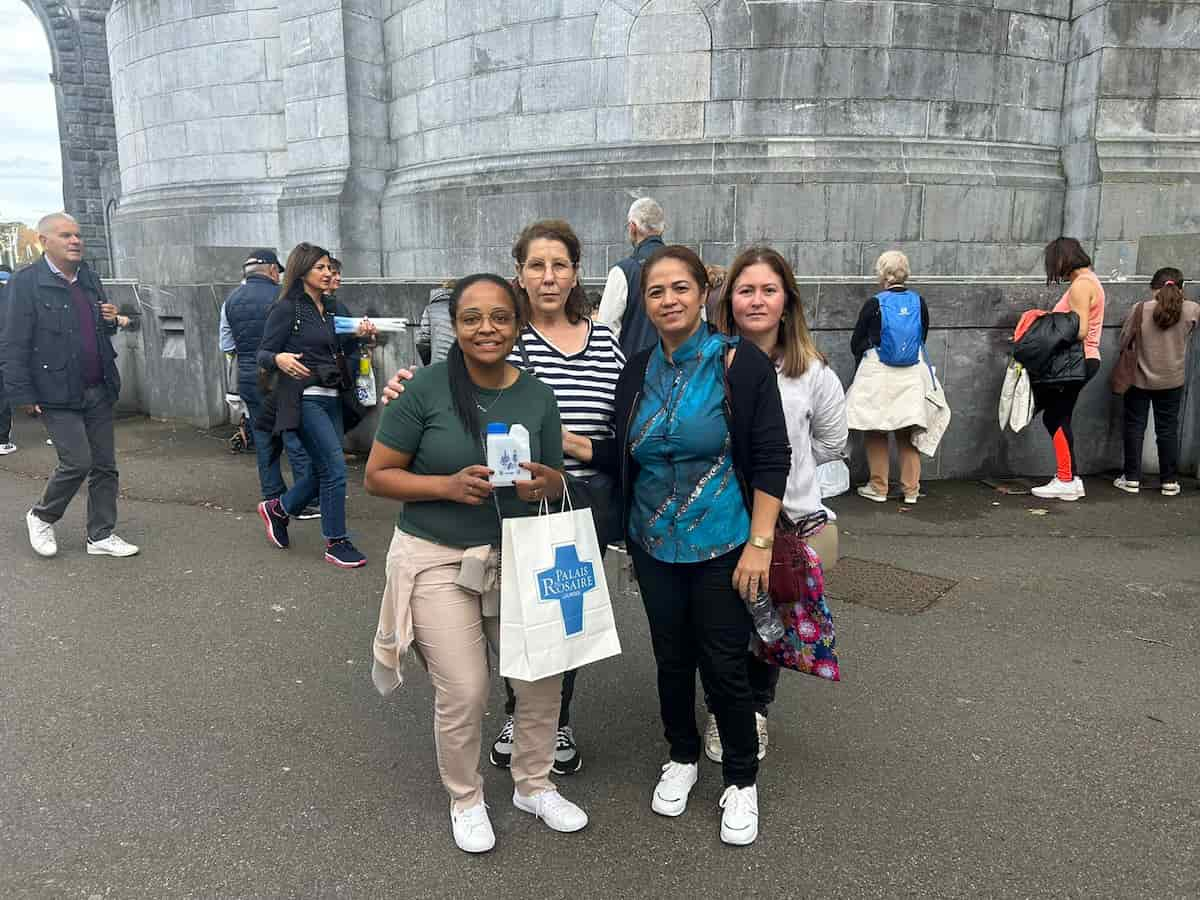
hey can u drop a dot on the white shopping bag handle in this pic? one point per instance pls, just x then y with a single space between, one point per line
544 506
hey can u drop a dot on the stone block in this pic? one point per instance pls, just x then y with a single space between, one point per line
614 81
1044 85
1177 117
558 86
365 79
247 133
781 73
495 94
412 73
694 213
858 24
1178 73
1037 216
680 32
454 59
424 25
799 23
778 117
562 39
368 117
444 103
967 213
921 74
1125 118
975 78
781 213
1028 126
1033 36
236 62
895 118
873 212
393 38
1154 25
671 78
936 27
718 119
504 48
570 128
730 24
1129 73
668 121
726 74
821 258
203 138
1058 9
1079 122
1087 34
847 73
614 125
363 37
1080 164
970 121
610 35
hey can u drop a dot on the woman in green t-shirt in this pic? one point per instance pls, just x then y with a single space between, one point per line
429 453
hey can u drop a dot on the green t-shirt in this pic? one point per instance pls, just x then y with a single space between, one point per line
422 421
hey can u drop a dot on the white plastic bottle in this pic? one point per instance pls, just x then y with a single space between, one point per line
507 448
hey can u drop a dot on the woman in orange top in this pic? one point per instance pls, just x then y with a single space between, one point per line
1066 261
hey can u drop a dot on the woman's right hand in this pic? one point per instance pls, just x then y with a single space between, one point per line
395 386
577 446
289 364
469 486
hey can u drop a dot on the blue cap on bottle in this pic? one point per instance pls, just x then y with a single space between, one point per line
497 428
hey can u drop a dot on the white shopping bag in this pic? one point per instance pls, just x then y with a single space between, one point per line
555 612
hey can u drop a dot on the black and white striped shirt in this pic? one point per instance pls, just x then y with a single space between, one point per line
584 383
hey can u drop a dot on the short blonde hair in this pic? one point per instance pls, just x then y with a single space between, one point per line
892 268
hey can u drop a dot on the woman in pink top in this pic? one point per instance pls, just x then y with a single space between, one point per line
1066 261
1166 326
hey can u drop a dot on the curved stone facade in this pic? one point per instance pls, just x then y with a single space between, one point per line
199 104
831 129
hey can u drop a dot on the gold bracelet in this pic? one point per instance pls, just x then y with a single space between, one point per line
761 543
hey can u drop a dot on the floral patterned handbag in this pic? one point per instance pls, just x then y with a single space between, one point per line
798 591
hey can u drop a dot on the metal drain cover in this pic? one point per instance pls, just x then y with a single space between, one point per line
883 587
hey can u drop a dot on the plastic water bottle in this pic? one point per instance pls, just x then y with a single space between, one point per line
766 619
364 384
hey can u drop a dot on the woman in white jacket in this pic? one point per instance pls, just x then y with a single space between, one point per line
761 302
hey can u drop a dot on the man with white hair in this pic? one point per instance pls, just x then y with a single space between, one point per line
621 307
59 363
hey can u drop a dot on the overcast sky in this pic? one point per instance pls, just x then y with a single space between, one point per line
30 164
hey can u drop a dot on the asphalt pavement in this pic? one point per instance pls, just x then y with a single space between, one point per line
198 721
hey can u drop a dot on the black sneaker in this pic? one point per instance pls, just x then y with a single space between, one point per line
312 511
567 760
502 747
344 554
276 520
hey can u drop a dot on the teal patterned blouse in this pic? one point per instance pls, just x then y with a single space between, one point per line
687 504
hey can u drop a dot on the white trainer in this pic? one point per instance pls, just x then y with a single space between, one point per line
111 546
472 828
761 722
712 740
41 535
1060 490
868 492
1170 489
1124 484
739 821
7 448
559 813
671 792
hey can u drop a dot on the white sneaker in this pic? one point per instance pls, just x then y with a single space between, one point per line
739 821
1129 487
7 448
911 499
559 813
761 721
111 546
712 740
41 535
1060 490
671 792
472 828
868 492
1170 489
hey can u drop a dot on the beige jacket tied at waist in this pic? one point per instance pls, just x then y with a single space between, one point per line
407 558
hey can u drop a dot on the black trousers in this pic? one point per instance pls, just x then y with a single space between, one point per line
1166 430
697 620
763 680
1057 403
5 415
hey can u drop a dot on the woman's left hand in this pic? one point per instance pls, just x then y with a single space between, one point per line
545 483
753 573
367 329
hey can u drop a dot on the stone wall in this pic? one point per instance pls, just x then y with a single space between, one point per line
174 370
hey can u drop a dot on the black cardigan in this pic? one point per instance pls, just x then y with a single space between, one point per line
762 456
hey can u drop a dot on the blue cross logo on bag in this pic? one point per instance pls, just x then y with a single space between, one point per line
565 583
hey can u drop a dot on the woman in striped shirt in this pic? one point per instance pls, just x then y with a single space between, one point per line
580 361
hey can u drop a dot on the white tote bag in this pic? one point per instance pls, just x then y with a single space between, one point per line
555 612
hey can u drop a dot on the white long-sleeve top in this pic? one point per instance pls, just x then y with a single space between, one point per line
814 405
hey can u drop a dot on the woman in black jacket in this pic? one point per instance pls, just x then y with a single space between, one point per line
702 452
301 344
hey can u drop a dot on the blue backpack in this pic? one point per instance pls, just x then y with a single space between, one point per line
900 328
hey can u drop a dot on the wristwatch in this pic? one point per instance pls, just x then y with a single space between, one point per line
761 543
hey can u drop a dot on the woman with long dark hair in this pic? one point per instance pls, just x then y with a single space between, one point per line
701 449
761 304
301 345
1162 336
429 454
1066 262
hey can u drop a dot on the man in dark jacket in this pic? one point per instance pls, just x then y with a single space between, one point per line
244 314
59 363
621 306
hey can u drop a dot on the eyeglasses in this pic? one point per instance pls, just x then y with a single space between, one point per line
500 318
535 268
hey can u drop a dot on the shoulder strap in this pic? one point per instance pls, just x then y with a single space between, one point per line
521 349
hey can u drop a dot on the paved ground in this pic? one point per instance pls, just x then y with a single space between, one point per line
198 721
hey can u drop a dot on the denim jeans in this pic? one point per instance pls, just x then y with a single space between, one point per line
269 448
321 434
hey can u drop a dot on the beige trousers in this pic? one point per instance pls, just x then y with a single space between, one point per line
876 443
452 636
